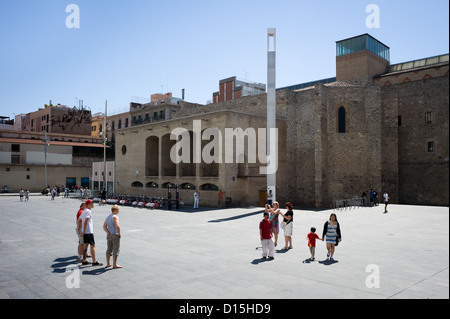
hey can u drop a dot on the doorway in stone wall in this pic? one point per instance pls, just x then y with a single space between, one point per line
262 198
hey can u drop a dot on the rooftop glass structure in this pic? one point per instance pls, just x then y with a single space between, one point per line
361 43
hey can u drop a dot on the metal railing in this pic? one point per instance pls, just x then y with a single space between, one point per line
344 204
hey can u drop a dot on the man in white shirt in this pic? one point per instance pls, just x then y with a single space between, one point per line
196 198
87 231
386 199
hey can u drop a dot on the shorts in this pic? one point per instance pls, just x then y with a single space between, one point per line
113 242
89 239
80 238
288 228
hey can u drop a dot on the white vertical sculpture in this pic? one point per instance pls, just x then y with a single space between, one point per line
272 148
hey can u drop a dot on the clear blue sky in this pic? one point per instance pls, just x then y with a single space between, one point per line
140 47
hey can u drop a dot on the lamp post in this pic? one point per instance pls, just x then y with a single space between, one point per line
46 145
105 139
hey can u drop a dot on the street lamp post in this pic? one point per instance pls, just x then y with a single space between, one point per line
105 139
46 145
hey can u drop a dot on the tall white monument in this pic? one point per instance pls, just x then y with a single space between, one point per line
271 113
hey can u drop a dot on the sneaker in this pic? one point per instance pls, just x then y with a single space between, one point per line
271 258
331 259
328 254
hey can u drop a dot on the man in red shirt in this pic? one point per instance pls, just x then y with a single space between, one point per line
78 230
265 233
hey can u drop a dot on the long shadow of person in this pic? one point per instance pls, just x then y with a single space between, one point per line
60 264
328 262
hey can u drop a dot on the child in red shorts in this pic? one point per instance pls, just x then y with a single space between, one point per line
312 236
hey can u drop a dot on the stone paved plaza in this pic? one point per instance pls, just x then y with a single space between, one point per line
216 254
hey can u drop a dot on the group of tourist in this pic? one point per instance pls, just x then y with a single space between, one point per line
85 233
373 197
24 193
269 228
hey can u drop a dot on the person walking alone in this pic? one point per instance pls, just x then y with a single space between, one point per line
196 198
386 201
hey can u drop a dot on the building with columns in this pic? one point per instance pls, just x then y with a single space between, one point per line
375 125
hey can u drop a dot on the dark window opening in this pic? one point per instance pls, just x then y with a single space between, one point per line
342 114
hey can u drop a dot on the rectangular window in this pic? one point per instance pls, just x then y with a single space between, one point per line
15 159
430 146
428 117
15 148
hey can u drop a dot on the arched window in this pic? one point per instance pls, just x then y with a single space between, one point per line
137 184
187 186
152 185
209 187
342 118
166 185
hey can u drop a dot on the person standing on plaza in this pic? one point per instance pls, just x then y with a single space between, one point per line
371 193
375 197
21 192
265 234
88 233
269 197
219 199
332 233
27 195
274 214
78 231
386 201
196 198
288 225
312 236
103 197
112 228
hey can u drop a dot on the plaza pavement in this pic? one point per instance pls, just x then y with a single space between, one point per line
216 254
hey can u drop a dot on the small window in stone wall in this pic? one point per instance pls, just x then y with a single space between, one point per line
430 146
342 118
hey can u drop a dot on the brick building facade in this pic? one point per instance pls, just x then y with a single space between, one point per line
375 126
